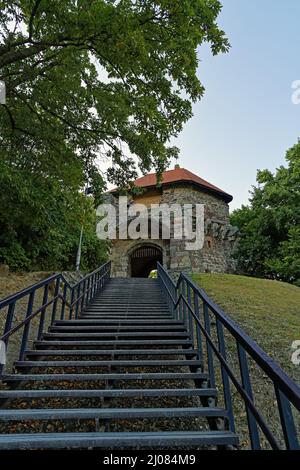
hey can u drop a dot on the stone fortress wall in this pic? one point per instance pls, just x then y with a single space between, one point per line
220 237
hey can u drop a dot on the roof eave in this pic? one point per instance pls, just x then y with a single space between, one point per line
221 194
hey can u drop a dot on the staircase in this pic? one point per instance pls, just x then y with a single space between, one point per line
123 374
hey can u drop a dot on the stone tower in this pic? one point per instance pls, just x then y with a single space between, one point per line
137 258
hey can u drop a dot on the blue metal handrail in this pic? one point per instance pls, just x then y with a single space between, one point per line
184 300
74 298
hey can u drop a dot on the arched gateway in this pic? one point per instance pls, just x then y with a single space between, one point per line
144 259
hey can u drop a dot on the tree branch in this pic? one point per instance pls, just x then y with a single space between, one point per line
32 16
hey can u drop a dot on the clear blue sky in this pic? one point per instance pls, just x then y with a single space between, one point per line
246 120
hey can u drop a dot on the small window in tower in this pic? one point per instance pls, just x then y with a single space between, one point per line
209 243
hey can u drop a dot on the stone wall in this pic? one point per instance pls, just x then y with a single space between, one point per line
220 238
122 249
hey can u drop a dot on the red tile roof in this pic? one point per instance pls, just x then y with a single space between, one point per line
181 175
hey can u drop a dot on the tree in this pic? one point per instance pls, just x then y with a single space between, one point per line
270 225
91 77
87 79
40 223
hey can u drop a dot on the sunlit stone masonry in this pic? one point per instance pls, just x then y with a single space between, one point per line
136 258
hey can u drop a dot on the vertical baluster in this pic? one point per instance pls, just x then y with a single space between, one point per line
170 294
63 302
71 303
26 326
43 313
191 318
88 290
101 281
56 292
210 360
175 310
180 303
77 300
86 293
183 303
97 284
246 382
94 285
287 421
91 288
8 325
198 331
83 296
225 378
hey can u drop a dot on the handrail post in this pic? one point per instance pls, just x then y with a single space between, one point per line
8 323
63 303
287 421
175 310
43 313
210 360
198 331
92 288
56 292
185 310
191 320
26 326
94 282
83 297
246 382
225 378
77 300
180 303
71 304
88 290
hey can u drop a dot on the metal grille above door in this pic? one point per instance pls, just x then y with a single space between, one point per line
146 252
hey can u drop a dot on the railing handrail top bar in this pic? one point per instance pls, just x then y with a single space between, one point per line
29 318
87 276
27 290
286 384
255 351
267 364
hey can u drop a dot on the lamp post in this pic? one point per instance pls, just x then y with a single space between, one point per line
87 190
78 256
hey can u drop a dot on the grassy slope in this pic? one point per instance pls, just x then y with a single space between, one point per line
269 311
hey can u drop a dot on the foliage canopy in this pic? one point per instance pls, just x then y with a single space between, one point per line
87 79
270 224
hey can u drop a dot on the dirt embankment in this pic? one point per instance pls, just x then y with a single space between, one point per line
13 282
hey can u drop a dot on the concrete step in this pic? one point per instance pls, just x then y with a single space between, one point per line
115 328
115 343
98 377
110 363
112 352
106 393
117 440
137 322
108 413
117 335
